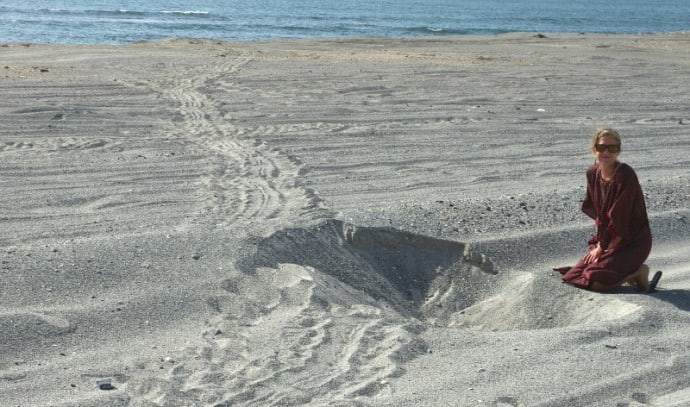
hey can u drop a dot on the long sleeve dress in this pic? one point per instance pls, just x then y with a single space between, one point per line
618 209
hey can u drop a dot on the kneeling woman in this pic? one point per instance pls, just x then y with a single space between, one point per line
623 238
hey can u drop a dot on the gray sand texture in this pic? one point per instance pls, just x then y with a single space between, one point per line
336 222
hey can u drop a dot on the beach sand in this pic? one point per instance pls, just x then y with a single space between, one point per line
342 222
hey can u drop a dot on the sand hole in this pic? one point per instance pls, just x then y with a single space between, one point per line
441 282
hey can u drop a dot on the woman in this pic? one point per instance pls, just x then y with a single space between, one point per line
623 238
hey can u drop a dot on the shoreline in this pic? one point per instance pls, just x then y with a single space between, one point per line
356 38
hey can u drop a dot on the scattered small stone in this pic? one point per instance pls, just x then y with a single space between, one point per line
196 256
105 384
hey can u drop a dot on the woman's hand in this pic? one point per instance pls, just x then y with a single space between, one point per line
593 254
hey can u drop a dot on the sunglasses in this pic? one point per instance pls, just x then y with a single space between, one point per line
612 148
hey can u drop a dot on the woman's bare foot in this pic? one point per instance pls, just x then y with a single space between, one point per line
640 278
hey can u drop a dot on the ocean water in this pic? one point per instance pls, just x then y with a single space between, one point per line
123 21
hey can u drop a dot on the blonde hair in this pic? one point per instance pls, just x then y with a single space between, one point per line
603 132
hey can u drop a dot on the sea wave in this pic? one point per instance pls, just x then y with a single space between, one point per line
96 13
186 12
441 31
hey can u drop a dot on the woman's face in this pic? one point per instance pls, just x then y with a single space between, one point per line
607 150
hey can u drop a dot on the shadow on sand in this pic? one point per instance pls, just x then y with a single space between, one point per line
676 297
679 298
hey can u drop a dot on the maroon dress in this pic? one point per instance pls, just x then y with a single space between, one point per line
618 209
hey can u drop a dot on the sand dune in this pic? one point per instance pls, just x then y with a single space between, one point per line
335 222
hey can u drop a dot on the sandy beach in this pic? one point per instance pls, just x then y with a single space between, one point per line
336 222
